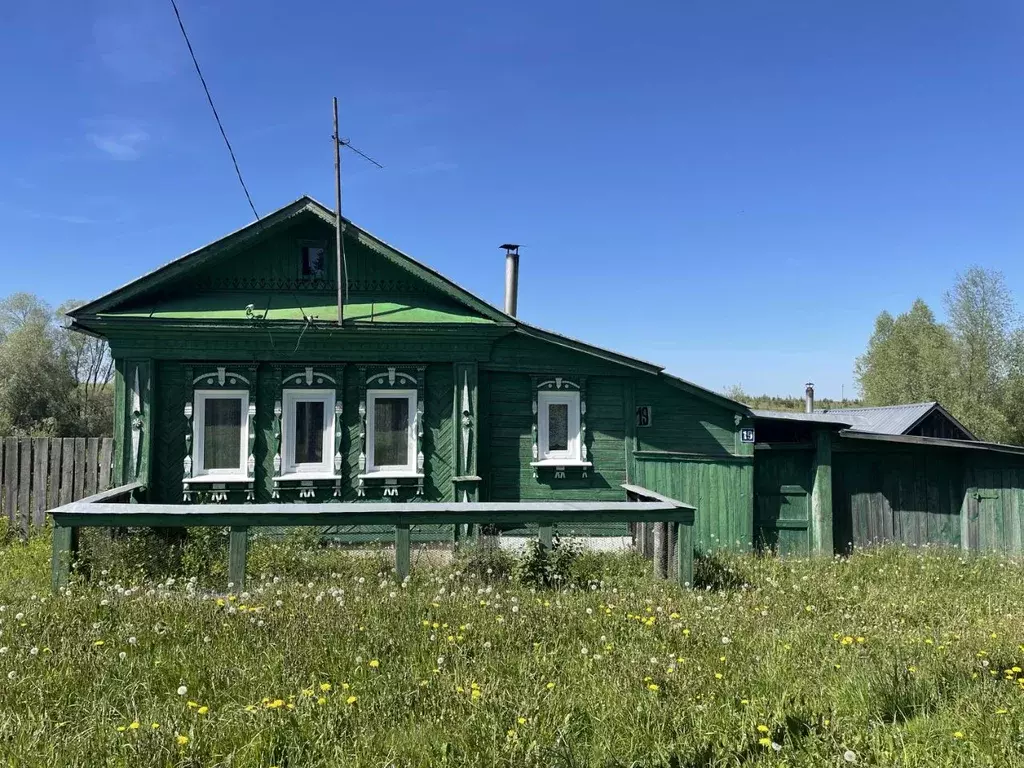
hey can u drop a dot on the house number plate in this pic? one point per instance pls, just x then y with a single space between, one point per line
643 415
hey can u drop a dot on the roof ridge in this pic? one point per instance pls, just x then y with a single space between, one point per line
929 403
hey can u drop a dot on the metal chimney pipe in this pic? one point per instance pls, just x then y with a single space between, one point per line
809 398
511 278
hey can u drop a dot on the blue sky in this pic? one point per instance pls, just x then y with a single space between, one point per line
731 189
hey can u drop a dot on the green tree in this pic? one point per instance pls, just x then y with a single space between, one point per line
910 358
982 320
35 375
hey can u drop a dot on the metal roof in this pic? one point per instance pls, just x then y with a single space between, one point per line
884 419
817 417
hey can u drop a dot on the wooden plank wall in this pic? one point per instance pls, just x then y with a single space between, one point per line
40 473
721 490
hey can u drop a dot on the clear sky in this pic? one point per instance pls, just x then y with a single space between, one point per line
731 189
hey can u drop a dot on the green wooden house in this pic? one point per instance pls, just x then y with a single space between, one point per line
236 383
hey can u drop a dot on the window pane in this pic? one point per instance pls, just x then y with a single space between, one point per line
390 431
558 427
313 262
222 433
309 432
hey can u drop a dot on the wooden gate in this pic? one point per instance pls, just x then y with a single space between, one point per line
782 508
40 473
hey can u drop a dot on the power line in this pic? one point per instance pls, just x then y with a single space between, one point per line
347 143
209 98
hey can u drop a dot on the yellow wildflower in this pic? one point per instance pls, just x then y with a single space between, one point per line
325 687
374 663
550 686
203 710
763 728
652 687
351 700
764 742
182 740
134 726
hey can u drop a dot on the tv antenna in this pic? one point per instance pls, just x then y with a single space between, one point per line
342 266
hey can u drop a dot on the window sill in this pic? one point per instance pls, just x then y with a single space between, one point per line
561 463
296 476
385 475
217 479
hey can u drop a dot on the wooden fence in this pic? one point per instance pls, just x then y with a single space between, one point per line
40 473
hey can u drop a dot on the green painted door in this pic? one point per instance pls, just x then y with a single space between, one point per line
782 507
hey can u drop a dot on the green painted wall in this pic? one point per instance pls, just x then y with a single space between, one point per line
721 490
783 481
170 427
684 423
993 506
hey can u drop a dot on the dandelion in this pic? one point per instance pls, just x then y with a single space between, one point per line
550 686
34 651
850 756
182 740
182 690
11 675
762 728
325 687
653 687
154 726
958 735
134 725
132 640
764 742
374 663
203 710
521 721
351 700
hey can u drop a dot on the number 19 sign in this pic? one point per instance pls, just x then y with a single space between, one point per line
643 415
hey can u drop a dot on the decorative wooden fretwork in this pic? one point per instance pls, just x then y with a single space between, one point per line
391 377
219 377
136 423
309 377
561 384
464 442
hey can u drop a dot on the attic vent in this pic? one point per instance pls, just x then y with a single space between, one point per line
314 263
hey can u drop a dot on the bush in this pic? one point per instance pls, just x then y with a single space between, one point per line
539 566
490 564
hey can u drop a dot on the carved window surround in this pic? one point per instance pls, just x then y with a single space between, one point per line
224 378
401 379
308 378
571 391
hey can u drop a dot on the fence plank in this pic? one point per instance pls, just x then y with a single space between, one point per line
25 485
106 453
67 471
40 465
53 486
79 468
92 461
10 478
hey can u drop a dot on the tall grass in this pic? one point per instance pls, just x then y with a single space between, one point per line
892 657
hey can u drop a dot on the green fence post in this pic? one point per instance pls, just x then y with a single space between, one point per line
684 554
402 551
238 547
65 550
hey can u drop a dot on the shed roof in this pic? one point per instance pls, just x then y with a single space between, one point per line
815 418
890 419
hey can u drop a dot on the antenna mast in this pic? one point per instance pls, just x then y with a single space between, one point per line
337 220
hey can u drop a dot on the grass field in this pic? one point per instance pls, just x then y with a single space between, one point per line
893 657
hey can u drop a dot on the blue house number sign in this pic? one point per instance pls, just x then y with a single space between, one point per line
747 435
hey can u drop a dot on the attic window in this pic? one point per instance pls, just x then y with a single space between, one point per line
314 261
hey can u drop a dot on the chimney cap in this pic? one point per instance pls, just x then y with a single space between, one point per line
510 246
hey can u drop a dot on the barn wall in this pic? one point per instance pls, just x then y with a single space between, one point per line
993 504
888 492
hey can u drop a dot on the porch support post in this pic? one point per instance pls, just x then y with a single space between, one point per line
402 551
659 550
238 548
821 494
671 539
684 553
545 535
65 551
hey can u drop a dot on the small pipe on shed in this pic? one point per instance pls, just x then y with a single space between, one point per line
809 398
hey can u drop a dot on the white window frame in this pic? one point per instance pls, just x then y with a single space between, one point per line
409 468
199 434
290 399
544 400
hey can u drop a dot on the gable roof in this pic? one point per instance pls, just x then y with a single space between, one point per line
107 304
304 205
891 419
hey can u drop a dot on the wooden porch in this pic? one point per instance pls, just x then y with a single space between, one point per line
120 508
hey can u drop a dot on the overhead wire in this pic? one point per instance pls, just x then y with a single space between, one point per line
216 116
